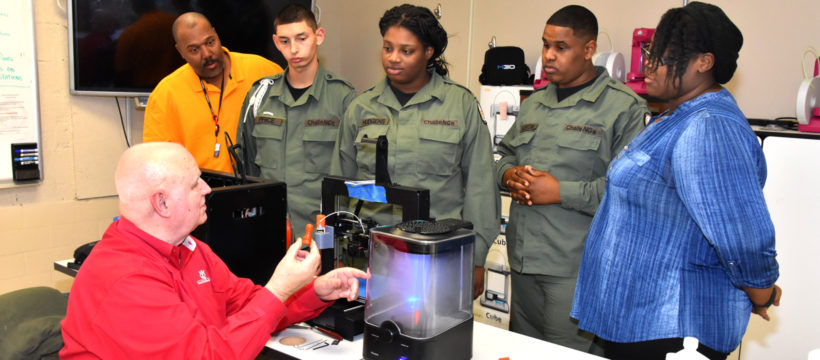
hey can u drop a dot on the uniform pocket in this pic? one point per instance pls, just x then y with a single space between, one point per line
268 142
522 138
526 152
577 155
318 145
629 167
439 150
366 152
582 142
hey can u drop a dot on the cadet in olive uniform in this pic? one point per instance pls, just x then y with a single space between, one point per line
437 138
290 121
554 162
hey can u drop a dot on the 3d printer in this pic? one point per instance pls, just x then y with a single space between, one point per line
246 223
419 297
352 236
641 38
496 283
808 99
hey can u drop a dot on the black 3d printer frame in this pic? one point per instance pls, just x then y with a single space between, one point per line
347 318
415 202
246 223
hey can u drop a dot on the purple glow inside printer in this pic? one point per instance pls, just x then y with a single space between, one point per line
419 298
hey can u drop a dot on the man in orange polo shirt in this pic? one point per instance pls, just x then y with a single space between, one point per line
199 103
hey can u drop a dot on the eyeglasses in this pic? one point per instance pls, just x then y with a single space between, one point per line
665 60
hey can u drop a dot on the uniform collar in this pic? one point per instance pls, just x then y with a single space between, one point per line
280 88
590 93
431 90
176 255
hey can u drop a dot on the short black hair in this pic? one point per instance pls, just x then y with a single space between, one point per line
578 18
694 29
423 24
293 13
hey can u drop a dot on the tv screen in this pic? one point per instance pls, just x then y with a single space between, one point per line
125 47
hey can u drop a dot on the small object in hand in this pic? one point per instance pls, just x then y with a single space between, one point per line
308 237
292 340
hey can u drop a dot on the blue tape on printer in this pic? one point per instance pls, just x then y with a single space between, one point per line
366 190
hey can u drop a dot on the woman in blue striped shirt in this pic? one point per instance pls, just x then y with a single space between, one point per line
682 243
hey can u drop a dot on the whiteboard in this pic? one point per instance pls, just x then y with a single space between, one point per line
19 105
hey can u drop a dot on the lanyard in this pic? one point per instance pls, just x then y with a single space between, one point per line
208 100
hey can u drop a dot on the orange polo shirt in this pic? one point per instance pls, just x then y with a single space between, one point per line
177 110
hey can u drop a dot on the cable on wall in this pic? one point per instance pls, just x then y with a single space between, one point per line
122 122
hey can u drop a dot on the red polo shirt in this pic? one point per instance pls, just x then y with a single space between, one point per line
139 297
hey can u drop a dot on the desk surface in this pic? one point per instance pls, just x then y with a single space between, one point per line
489 343
62 266
772 130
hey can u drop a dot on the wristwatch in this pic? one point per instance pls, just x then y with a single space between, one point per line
769 302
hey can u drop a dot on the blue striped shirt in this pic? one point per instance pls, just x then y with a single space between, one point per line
683 225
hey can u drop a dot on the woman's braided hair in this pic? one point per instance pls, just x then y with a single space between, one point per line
423 24
694 29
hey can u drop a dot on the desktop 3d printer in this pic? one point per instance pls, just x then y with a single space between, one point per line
430 262
351 236
419 297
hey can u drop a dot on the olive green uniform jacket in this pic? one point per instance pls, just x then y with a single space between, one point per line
292 140
437 141
574 140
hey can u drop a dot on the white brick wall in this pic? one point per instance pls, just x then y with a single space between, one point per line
46 222
34 235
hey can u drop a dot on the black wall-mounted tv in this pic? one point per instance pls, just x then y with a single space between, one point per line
125 47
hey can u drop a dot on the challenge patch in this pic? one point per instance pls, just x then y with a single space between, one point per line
269 120
322 122
584 129
448 123
373 121
529 127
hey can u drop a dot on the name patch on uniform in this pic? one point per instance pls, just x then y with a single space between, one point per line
449 123
373 121
529 127
584 129
322 122
269 120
